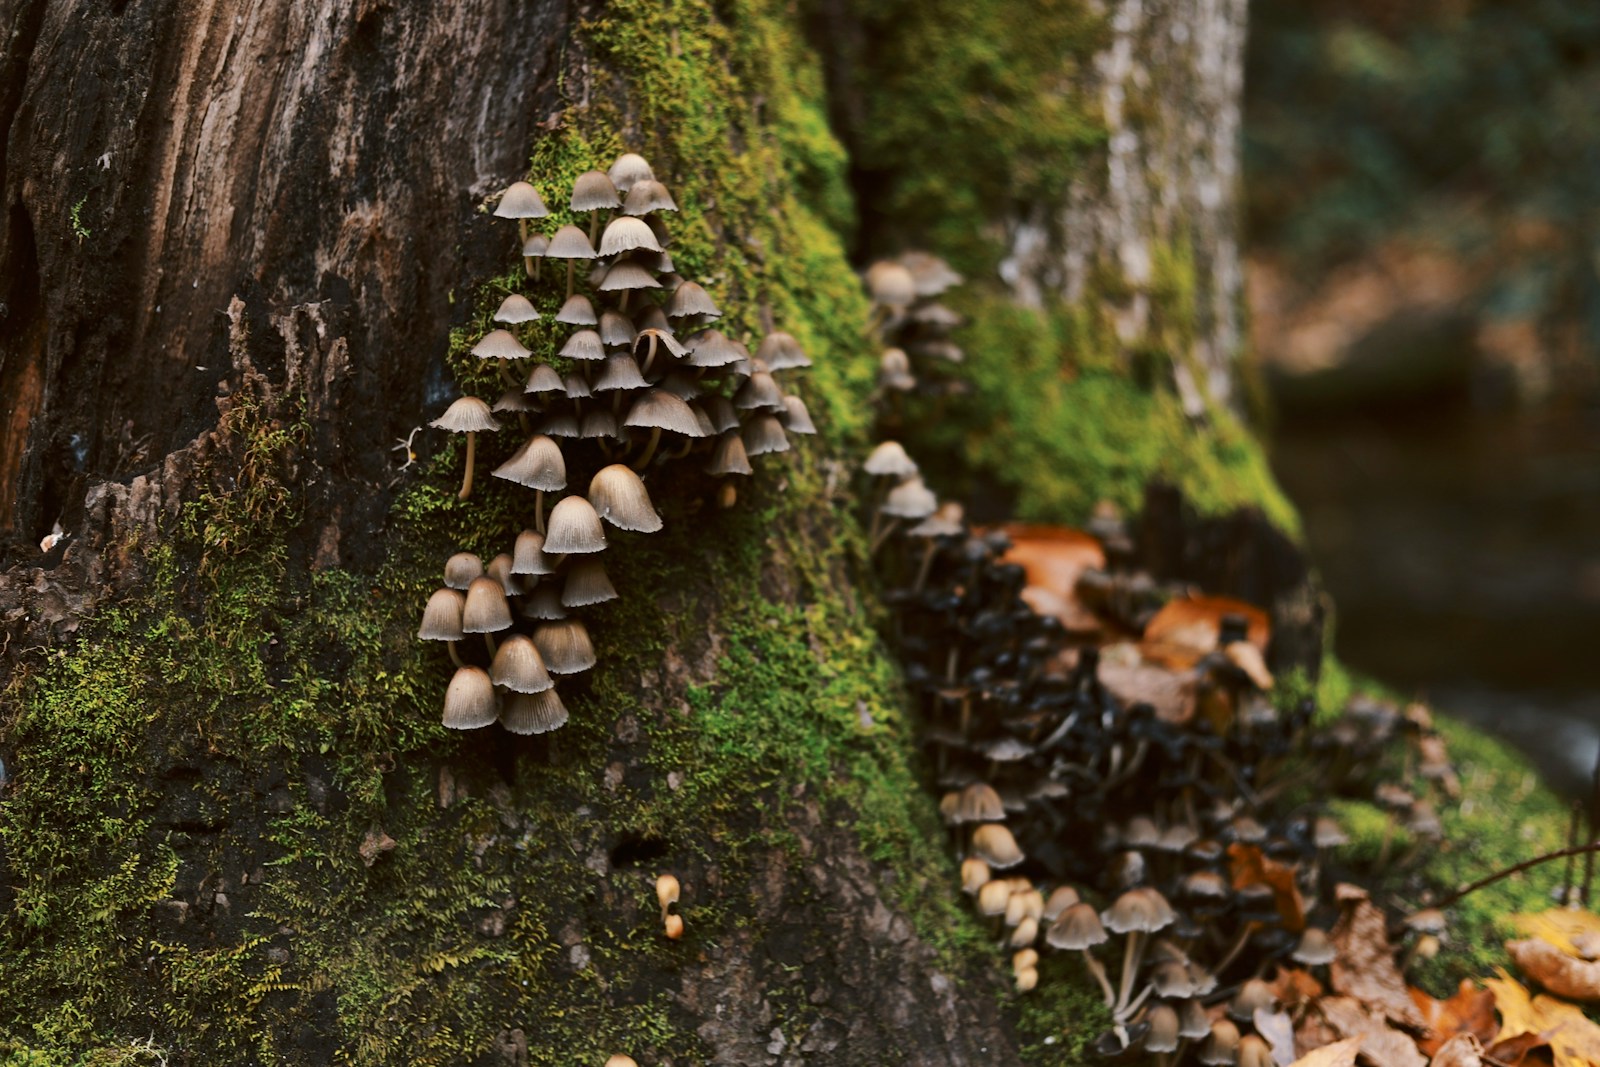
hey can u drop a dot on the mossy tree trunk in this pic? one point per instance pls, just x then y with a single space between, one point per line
242 251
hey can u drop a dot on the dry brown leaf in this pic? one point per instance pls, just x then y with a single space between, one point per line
1470 1011
1293 987
1338 1054
1365 967
1248 865
1569 929
1053 558
1573 1039
1463 1050
1564 975
1187 628
1523 1049
1381 1043
1171 693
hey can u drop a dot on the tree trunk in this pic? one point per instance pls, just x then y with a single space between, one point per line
234 244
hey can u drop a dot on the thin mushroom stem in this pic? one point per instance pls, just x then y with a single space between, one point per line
455 656
883 534
649 450
472 455
1098 969
570 264
1238 947
488 639
538 510
1144 995
594 226
925 566
522 230
505 373
1130 965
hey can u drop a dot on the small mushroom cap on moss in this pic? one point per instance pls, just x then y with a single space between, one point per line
667 891
1221 1046
577 311
720 410
574 527
470 701
1253 994
780 351
628 170
587 584
980 803
935 315
729 456
1061 898
1026 933
536 246
565 646
560 424
599 423
620 1060
499 569
461 568
584 345
658 336
537 464
514 309
518 666
616 328
466 415
890 284
713 348
1163 1033
1076 928
570 242
764 434
533 713
994 845
1255 1052
647 196
1315 948
486 610
974 875
894 371
528 555
627 276
576 387
910 500
594 191
544 603
931 274
993 898
513 400
691 299
619 496
620 372
1144 910
520 201
947 521
543 379
441 619
1327 833
889 460
500 344
624 234
759 393
795 417
659 409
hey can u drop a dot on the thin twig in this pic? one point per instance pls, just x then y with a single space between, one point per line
1593 846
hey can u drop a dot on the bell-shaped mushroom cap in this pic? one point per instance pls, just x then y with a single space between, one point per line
1026 932
894 371
712 348
543 379
980 803
461 568
729 456
1253 994
647 196
1143 909
1255 1052
993 898
533 713
560 424
1162 1036
570 242
759 393
577 311
1205 886
576 387
514 309
1139 832
565 646
1174 838
1315 948
780 351
910 500
691 299
659 338
629 170
593 191
1427 921
994 845
1193 1022
535 246
486 610
619 1060
947 521
627 276
889 460
1424 820
466 415
470 700
653 318
616 328
1221 1046
585 344
543 603
537 464
764 434
935 315
619 496
945 350
520 201
441 619
719 409
625 233
1247 829
573 528
599 423
1327 833
500 344
795 417
528 555
974 875
513 401
931 274
1076 928
619 372
499 569
890 284
518 666
659 409
587 584
1061 898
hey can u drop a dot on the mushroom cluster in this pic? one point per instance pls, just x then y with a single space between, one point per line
644 380
913 326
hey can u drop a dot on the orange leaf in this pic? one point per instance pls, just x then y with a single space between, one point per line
1248 866
1188 627
1470 1011
1053 558
1573 1039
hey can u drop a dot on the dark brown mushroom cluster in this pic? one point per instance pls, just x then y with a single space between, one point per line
643 381
914 327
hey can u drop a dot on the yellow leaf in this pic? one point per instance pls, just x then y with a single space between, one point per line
1559 926
1574 1040
1338 1054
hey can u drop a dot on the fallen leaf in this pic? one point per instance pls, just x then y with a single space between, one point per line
1470 1011
1338 1054
1053 558
1462 1050
1293 987
1365 967
1171 693
1569 929
1248 866
1564 975
1515 1051
375 844
1381 1043
1573 1039
1277 1029
1187 628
